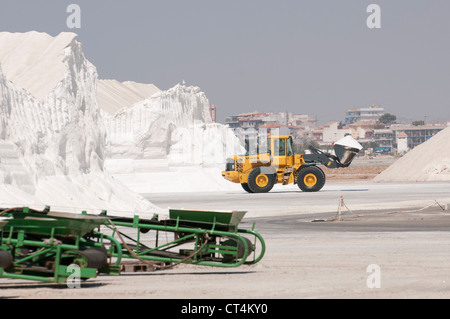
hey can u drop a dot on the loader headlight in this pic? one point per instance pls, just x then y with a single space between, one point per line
229 166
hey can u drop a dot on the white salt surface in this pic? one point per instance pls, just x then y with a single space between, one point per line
60 127
155 177
34 60
168 143
52 136
113 95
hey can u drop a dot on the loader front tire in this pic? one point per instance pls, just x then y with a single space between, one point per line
260 180
311 179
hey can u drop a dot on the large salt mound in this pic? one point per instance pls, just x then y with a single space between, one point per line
168 143
51 132
64 133
34 60
113 95
429 161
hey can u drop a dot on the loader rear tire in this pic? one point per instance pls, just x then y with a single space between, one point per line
311 179
246 188
260 181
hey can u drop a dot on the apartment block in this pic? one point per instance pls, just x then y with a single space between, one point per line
371 113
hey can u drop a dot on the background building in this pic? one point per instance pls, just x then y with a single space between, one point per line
362 124
371 113
417 134
244 123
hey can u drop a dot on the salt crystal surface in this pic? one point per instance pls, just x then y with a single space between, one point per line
51 125
59 147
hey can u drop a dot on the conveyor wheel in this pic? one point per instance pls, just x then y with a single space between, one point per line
6 259
233 242
92 258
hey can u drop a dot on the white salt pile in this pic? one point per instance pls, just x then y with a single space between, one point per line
168 143
113 95
76 143
430 161
52 135
34 60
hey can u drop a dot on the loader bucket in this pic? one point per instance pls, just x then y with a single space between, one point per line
346 149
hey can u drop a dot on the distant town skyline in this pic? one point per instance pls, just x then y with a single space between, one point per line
342 119
305 57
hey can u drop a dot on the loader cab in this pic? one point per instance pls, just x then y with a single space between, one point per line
281 149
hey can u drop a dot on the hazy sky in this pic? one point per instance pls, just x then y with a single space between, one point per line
307 57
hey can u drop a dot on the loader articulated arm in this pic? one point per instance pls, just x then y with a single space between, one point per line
318 157
345 151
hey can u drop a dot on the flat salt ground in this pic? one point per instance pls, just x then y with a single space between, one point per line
282 200
301 260
317 263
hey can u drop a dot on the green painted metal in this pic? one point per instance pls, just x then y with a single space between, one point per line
62 224
43 244
3 222
185 226
231 218
53 240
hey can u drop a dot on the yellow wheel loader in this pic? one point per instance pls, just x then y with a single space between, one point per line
274 162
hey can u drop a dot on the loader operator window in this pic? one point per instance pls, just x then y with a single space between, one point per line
281 146
289 147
